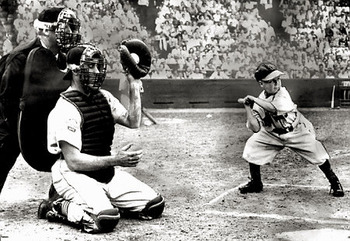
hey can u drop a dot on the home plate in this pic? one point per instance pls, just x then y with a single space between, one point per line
316 235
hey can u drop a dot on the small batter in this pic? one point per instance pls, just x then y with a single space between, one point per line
276 123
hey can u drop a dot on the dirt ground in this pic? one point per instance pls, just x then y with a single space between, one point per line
193 158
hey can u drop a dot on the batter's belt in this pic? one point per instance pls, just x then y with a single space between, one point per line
291 128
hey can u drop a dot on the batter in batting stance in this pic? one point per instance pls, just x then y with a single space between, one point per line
57 30
95 194
276 123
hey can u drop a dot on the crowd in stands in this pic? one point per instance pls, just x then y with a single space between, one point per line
232 36
207 39
104 23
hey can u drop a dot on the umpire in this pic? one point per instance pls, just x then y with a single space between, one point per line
57 38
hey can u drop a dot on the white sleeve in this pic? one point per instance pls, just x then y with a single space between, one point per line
63 124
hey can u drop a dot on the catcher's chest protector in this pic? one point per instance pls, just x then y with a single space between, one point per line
97 128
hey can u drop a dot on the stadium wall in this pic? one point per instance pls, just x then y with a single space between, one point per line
223 93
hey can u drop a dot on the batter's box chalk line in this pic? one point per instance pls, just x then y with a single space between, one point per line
339 154
221 196
338 221
324 234
343 221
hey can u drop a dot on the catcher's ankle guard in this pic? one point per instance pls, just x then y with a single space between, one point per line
154 208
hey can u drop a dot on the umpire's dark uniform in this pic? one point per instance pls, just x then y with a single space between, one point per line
11 87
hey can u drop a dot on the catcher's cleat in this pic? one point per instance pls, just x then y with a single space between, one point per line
107 220
251 187
44 207
52 210
336 189
47 205
54 217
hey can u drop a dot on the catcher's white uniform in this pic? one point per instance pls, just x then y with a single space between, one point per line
88 195
287 128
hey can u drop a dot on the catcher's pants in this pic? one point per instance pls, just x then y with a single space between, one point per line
123 191
263 146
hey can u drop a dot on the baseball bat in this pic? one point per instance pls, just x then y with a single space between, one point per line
148 115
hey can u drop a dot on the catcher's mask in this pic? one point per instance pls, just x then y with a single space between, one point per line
89 62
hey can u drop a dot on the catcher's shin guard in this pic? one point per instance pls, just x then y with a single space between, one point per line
153 209
106 220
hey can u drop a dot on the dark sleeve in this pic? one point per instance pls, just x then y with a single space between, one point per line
13 78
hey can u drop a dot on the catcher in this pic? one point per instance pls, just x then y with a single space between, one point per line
92 193
276 123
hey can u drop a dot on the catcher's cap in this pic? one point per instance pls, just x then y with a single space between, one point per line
73 57
266 71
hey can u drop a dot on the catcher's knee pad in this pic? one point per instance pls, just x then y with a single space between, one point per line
154 208
135 57
106 220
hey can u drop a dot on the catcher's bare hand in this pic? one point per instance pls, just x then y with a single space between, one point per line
129 156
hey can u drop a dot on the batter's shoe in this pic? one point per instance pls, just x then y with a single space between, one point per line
336 189
251 187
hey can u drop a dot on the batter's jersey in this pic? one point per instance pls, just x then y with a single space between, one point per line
286 111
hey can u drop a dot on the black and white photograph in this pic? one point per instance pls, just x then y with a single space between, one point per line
171 120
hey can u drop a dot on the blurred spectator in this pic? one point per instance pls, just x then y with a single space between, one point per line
305 73
330 74
242 73
344 73
7 45
196 74
219 74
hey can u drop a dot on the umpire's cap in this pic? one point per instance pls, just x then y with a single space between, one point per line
47 19
49 15
266 71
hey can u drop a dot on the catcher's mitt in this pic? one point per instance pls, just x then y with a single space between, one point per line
135 57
